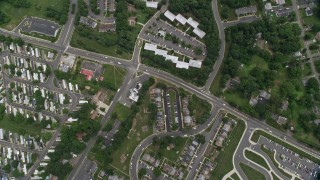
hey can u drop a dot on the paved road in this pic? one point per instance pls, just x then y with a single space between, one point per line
218 62
200 153
74 175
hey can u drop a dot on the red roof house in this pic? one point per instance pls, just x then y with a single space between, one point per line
87 73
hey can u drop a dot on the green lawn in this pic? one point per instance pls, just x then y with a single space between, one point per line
251 173
256 61
235 176
258 133
271 156
256 158
306 69
37 9
235 98
274 176
309 20
122 112
135 136
86 43
224 160
114 75
24 128
172 154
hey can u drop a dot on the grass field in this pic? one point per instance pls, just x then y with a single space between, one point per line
172 154
256 61
251 173
93 45
235 176
258 133
82 42
32 129
114 75
122 112
17 14
256 158
271 156
224 160
274 176
135 136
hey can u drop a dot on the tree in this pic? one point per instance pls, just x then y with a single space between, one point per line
312 85
142 172
157 172
201 138
198 51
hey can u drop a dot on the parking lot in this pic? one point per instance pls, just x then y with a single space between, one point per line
291 160
155 33
41 26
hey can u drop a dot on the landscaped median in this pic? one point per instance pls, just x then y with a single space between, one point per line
251 173
256 158
256 135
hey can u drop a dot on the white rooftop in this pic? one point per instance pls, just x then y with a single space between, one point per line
161 52
171 58
280 2
192 22
181 19
150 47
268 6
169 15
199 32
195 63
151 4
183 65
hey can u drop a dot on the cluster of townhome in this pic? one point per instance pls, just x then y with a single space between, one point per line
23 141
156 98
149 159
173 171
104 24
223 134
189 153
205 170
8 154
182 20
172 58
34 52
187 119
35 116
29 70
25 94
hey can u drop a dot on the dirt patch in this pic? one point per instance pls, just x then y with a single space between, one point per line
123 158
144 128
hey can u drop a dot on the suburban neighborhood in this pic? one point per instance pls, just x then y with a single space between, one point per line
159 89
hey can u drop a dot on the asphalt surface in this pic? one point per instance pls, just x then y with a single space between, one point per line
168 111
